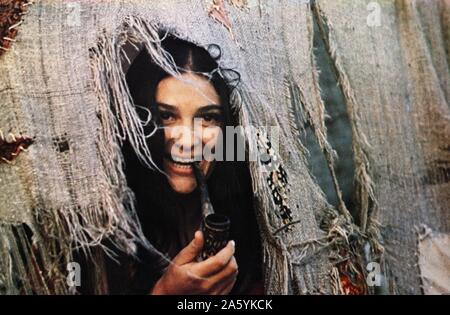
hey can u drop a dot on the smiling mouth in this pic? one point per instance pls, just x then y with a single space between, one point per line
182 163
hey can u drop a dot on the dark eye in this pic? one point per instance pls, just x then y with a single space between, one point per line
212 118
208 118
166 115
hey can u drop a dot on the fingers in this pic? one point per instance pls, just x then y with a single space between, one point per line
216 263
219 280
191 251
230 271
229 287
225 287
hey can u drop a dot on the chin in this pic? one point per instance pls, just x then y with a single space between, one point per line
182 178
182 185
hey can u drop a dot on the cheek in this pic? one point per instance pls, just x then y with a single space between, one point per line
211 136
170 133
167 135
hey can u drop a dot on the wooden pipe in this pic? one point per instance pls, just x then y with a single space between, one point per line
215 226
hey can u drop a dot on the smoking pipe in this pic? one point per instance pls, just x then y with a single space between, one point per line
215 226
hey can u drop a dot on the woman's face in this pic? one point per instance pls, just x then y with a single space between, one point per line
185 106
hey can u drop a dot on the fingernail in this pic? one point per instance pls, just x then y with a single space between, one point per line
232 243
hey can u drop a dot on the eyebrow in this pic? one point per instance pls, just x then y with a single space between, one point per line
201 109
167 106
210 107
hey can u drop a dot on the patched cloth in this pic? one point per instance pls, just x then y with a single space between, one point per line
11 13
10 149
63 85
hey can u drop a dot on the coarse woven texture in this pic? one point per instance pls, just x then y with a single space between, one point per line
396 74
434 262
63 85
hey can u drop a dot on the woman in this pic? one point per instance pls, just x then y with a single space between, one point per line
168 199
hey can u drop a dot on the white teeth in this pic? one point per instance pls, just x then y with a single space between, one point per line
182 160
181 165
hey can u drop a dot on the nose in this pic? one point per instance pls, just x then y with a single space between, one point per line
186 140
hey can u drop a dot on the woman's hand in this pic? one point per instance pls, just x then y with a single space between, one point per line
215 275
